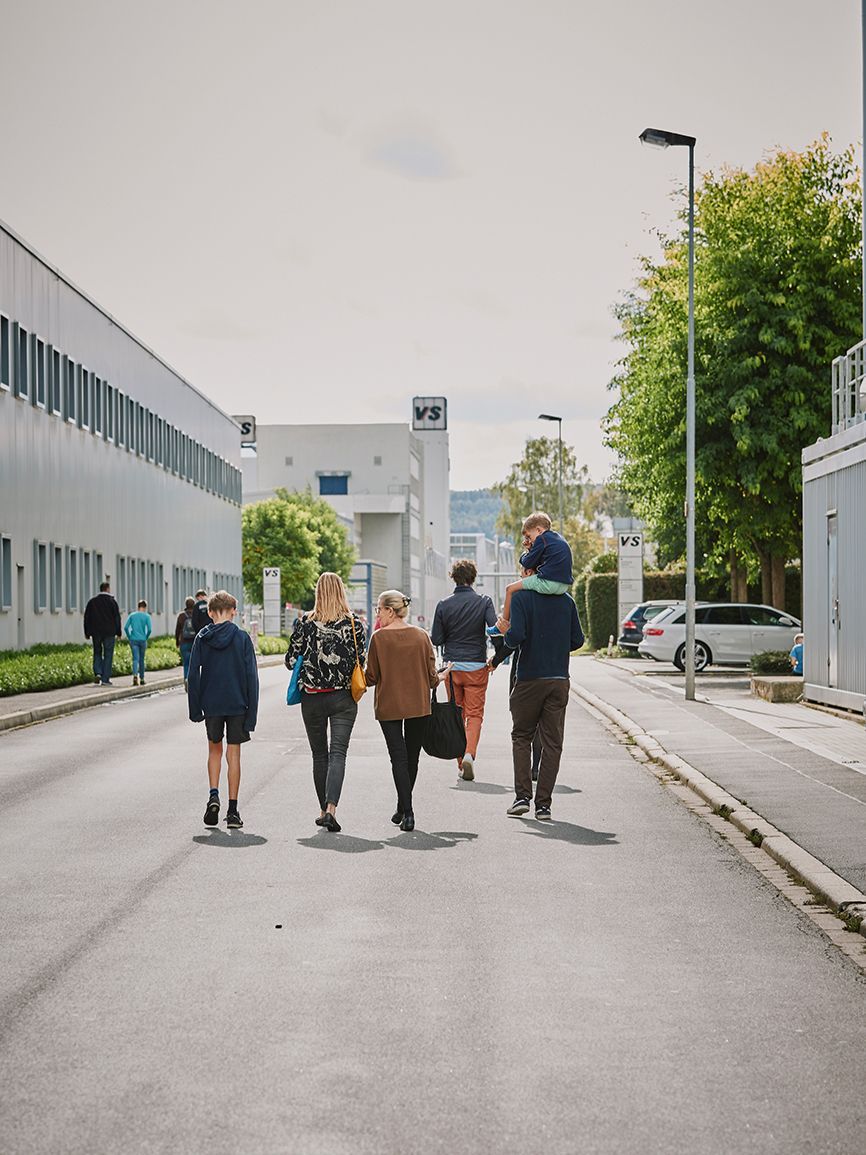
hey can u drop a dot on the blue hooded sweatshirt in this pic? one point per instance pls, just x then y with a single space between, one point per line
223 676
138 627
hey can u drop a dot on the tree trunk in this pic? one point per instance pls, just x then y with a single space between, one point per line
766 576
739 587
778 581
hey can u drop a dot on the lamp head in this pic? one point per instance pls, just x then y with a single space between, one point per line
548 417
662 138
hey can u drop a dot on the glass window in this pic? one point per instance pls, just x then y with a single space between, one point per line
98 576
762 616
84 397
120 423
71 579
22 364
139 430
120 592
725 616
334 485
39 383
40 576
56 578
130 424
5 354
69 388
109 411
55 380
97 405
6 573
86 576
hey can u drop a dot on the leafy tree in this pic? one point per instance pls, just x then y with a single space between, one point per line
275 532
533 484
301 534
777 296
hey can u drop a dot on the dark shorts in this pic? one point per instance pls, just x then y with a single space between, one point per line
232 724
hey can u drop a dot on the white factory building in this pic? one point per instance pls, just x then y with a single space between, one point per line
112 466
388 482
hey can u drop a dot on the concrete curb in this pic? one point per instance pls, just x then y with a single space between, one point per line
72 705
832 890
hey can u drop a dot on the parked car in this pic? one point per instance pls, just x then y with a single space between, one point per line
631 630
726 634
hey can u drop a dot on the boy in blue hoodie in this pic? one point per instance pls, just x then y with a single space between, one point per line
138 628
548 555
224 693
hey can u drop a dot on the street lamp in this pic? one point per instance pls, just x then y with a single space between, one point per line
550 417
661 138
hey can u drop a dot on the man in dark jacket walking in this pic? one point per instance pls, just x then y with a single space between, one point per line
545 629
102 626
459 627
223 693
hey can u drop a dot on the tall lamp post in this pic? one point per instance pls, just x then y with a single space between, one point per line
661 138
550 417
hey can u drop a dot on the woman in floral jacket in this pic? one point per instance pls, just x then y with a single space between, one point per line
330 639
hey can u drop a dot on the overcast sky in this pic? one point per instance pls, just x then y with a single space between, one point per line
314 210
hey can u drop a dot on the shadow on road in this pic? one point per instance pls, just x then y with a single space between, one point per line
568 832
229 838
481 787
566 790
438 840
342 843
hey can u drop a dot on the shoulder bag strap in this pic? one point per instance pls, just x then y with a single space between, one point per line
354 638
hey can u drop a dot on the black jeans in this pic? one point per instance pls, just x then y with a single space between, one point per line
103 655
329 763
403 737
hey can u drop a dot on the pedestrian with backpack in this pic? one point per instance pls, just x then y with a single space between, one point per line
184 636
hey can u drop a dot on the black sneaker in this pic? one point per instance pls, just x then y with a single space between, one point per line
542 813
518 807
397 817
234 820
329 822
212 812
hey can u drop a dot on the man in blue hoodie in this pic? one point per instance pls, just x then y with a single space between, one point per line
223 692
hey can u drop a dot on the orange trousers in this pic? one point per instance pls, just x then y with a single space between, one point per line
470 692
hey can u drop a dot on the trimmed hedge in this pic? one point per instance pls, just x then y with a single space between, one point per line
272 645
771 662
46 667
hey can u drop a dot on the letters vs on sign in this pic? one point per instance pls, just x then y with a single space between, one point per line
429 413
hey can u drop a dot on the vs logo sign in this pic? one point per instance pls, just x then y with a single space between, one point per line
429 413
247 425
629 540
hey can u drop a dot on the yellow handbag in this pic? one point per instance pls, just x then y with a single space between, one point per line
358 685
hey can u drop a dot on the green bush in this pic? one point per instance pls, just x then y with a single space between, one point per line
601 609
771 662
272 645
53 667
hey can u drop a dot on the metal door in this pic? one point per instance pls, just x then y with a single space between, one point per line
833 615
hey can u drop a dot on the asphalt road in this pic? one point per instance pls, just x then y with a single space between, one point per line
616 981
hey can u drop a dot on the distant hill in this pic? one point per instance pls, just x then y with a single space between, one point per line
474 511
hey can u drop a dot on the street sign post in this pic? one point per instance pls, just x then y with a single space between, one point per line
271 601
630 571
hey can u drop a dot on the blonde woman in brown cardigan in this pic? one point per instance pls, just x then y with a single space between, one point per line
402 666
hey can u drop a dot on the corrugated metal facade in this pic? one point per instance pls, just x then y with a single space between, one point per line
110 464
834 543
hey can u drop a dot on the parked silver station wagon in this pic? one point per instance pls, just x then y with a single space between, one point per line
726 634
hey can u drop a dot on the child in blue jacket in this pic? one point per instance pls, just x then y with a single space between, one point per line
138 629
549 557
223 692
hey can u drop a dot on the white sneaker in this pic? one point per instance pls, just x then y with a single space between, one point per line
467 770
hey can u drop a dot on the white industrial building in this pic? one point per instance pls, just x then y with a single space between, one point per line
112 466
495 561
388 482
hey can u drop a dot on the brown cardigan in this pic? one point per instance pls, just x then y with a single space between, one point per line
402 666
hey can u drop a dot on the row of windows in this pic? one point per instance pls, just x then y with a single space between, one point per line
64 576
139 580
36 371
186 580
231 583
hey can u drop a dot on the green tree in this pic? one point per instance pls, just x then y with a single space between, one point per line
533 484
275 532
335 554
777 296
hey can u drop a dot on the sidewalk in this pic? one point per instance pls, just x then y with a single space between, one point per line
801 769
25 709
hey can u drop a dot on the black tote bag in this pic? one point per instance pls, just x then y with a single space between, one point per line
445 735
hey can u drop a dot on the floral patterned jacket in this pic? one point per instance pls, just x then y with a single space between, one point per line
328 650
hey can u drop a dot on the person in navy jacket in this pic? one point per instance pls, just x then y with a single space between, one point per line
223 692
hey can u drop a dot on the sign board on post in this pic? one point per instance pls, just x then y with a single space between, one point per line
630 584
271 601
429 413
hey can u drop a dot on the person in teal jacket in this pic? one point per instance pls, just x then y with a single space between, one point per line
138 629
